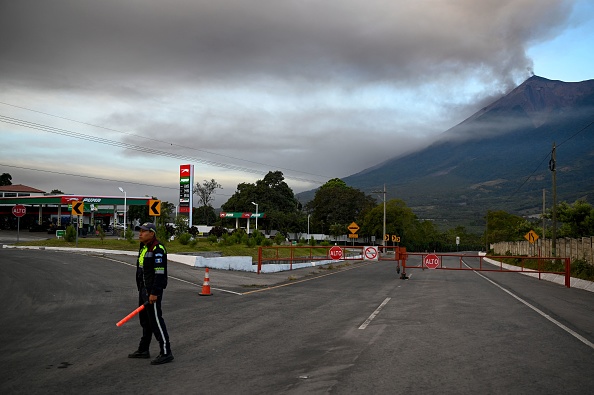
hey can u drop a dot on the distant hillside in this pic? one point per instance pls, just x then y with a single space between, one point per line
497 159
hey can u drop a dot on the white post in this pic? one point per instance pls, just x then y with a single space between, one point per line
125 209
256 214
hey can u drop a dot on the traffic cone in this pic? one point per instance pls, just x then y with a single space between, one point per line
206 285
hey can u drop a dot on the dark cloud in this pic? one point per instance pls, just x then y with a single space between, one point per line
87 42
271 82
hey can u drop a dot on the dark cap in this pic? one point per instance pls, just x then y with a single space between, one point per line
149 226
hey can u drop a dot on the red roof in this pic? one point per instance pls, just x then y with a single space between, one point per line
19 188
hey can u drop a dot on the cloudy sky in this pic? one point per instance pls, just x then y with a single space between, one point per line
95 95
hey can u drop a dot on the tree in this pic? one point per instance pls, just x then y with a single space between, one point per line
139 213
337 203
205 213
502 226
577 219
56 192
5 179
273 196
400 220
205 192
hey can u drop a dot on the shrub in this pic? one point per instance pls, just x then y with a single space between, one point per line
184 238
258 237
218 231
580 268
101 233
279 238
163 233
129 235
70 235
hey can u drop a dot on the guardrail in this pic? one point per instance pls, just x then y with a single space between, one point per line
516 264
299 254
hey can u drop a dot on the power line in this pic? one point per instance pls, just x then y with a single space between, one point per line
100 140
95 178
91 177
160 141
545 158
576 133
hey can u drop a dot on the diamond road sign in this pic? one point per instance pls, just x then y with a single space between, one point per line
353 227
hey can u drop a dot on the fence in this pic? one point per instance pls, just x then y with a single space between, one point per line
566 248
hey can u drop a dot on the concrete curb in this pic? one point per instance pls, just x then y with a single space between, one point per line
232 263
555 278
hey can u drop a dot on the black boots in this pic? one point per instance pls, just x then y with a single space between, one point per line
162 358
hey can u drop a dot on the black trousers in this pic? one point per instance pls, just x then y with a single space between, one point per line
152 323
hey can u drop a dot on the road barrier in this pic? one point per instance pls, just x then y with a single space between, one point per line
481 263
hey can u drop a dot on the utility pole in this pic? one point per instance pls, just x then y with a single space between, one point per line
544 208
384 235
487 232
552 168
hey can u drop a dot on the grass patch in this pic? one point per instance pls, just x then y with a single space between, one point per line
173 247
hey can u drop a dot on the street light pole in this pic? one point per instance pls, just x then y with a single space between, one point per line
256 214
125 209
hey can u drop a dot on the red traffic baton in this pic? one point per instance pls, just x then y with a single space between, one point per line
132 314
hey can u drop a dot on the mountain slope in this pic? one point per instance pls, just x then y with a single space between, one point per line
497 159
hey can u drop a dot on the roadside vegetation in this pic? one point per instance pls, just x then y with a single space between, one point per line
331 211
579 268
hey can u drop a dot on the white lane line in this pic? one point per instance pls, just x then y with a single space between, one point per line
548 317
178 279
376 312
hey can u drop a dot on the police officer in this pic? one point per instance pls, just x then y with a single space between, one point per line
151 280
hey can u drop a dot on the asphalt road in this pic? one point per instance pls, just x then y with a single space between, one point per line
354 330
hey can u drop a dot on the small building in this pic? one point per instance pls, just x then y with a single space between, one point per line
47 211
19 190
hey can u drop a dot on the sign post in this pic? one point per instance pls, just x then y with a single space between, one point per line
78 210
353 228
18 211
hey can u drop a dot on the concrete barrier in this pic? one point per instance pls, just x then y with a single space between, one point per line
244 263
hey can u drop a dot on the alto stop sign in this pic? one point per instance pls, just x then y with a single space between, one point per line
19 210
336 252
432 261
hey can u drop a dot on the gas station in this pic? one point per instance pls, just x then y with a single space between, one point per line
55 210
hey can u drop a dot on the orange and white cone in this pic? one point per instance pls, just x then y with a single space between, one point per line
206 285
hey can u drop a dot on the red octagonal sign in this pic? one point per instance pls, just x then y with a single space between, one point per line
19 210
336 252
432 261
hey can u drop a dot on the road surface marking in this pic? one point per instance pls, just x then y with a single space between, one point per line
376 312
548 317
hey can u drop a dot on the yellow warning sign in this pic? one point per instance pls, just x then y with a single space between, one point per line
531 236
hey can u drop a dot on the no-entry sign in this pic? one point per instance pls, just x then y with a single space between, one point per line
370 253
431 261
19 210
336 252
